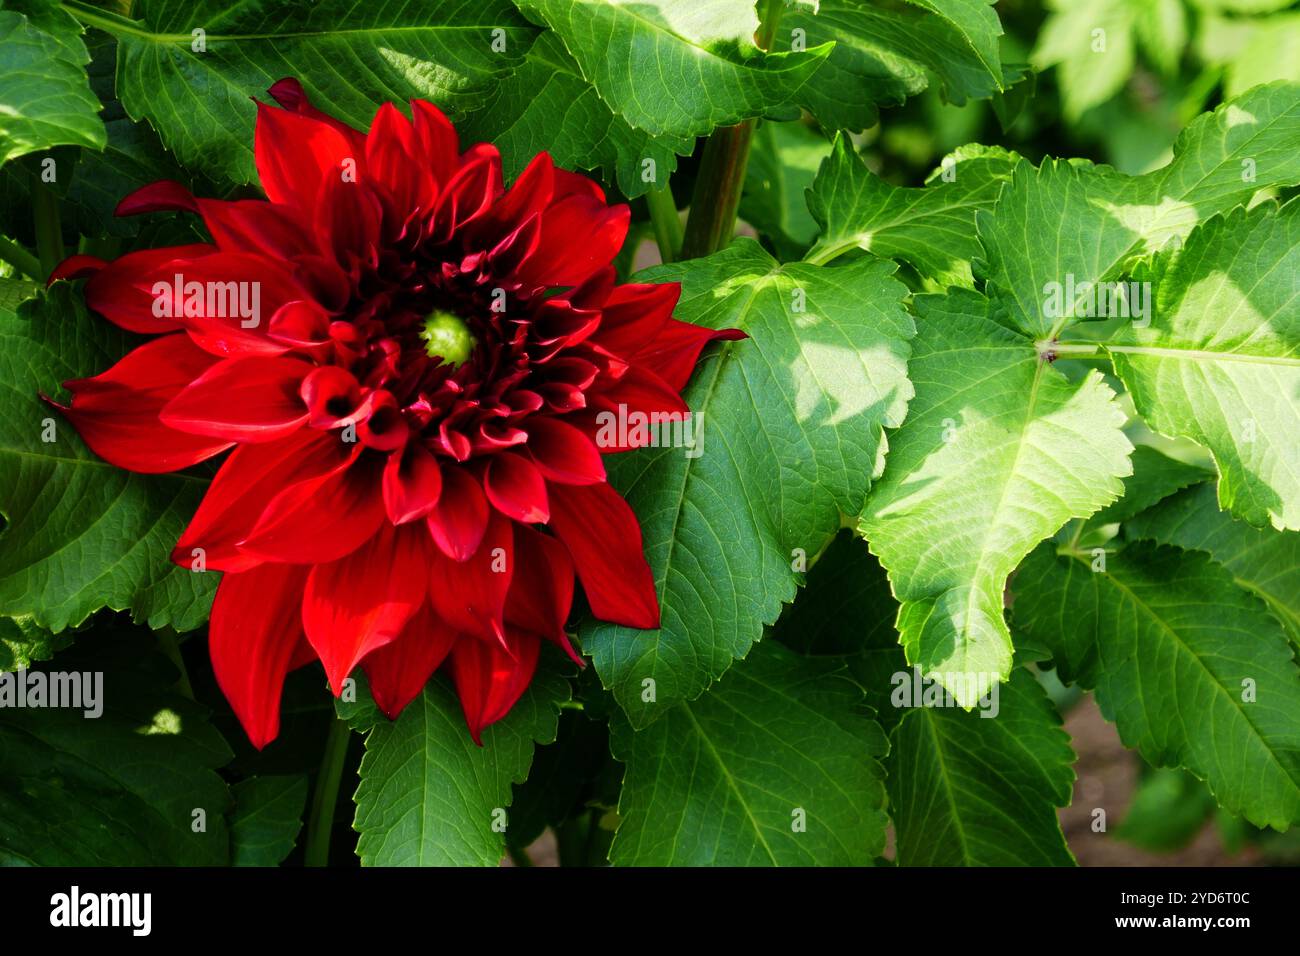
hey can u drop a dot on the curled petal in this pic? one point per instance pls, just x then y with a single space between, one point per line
245 485
412 484
516 488
490 679
459 518
602 535
364 600
246 399
320 519
117 412
254 639
470 595
397 671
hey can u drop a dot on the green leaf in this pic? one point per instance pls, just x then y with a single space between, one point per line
546 104
1070 221
1169 808
790 435
429 796
982 788
1220 362
81 534
1192 669
775 766
133 156
47 101
676 67
931 228
1155 477
121 789
881 56
998 451
22 642
351 57
783 162
1091 43
1263 561
268 816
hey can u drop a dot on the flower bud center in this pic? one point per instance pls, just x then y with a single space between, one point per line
446 336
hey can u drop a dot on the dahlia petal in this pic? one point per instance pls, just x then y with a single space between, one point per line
363 601
563 453
122 291
516 488
296 153
254 640
243 399
412 483
602 535
393 160
580 235
347 224
75 267
634 315
460 517
215 291
117 412
289 93
165 195
641 390
397 671
489 679
541 593
470 595
320 519
530 194
441 146
257 226
245 485
672 354
469 193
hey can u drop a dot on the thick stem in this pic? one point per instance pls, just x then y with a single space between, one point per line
321 822
718 185
21 259
667 223
49 230
721 178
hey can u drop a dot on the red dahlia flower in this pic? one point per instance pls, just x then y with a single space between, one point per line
409 362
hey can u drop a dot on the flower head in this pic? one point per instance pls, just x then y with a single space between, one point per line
407 363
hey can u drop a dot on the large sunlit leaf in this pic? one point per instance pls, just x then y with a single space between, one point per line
792 430
1220 361
999 450
678 67
1073 224
931 228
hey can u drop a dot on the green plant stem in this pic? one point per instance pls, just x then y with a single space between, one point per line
321 822
721 178
718 185
20 259
666 221
172 649
49 230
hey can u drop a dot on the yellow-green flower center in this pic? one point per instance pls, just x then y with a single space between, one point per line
447 337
